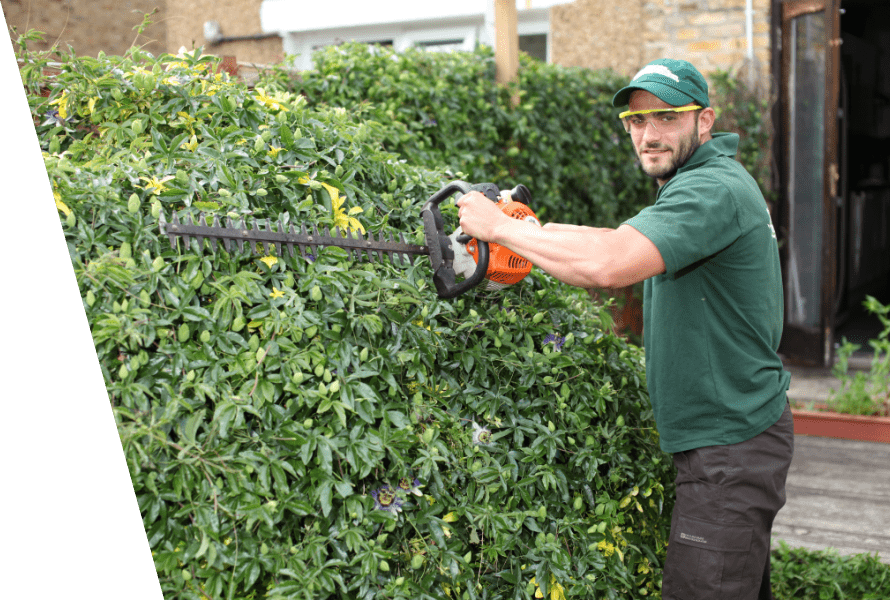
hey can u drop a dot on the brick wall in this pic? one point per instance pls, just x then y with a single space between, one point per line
626 34
236 18
89 26
711 34
598 34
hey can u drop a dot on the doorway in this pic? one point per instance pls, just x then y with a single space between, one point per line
863 261
831 63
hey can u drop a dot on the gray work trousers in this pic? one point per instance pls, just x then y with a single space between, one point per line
727 498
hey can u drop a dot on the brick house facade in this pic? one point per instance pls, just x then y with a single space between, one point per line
617 34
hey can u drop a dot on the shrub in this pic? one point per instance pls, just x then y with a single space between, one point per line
744 109
320 428
865 393
804 574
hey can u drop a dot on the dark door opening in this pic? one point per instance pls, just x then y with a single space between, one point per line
863 219
831 62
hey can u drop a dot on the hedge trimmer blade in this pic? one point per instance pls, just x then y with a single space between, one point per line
289 238
438 244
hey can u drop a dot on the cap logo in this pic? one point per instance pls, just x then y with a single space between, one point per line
656 70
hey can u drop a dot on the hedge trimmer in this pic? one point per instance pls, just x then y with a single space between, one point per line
450 255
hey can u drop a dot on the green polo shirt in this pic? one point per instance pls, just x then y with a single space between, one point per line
713 321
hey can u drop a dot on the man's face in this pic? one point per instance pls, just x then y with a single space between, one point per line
661 154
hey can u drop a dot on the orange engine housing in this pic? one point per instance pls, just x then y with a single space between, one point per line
505 267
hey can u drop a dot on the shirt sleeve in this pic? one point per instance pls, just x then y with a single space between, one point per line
693 219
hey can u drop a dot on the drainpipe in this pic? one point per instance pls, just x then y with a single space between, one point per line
749 33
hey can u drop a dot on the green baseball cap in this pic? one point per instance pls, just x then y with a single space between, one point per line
676 82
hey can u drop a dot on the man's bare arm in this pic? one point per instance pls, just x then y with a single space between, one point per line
586 257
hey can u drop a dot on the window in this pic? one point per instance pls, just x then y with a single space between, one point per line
441 45
534 45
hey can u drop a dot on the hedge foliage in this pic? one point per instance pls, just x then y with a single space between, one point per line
324 428
798 573
563 139
744 109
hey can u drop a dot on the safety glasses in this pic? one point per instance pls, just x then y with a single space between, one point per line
664 120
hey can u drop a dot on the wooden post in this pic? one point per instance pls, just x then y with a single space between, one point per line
506 36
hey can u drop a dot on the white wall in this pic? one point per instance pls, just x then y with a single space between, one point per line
305 26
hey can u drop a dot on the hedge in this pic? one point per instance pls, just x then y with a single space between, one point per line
563 139
324 428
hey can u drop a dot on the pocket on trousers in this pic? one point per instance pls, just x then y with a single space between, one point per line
707 560
711 535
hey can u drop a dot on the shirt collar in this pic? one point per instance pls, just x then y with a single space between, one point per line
720 144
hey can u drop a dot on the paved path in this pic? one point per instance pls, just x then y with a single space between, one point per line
838 496
838 490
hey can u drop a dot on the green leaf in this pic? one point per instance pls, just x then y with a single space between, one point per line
324 497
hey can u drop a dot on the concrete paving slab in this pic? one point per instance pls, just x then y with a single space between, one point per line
838 497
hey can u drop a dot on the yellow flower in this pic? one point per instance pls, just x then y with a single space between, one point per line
186 120
59 204
177 64
342 219
276 293
418 323
606 548
556 590
273 151
155 185
91 105
269 260
207 87
270 101
62 101
190 145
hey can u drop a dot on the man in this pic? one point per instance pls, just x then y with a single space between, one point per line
712 315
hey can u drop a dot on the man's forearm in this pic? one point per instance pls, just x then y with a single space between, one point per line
573 254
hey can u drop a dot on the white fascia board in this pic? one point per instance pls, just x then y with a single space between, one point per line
277 16
298 16
533 21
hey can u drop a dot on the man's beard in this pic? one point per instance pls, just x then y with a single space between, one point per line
682 153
